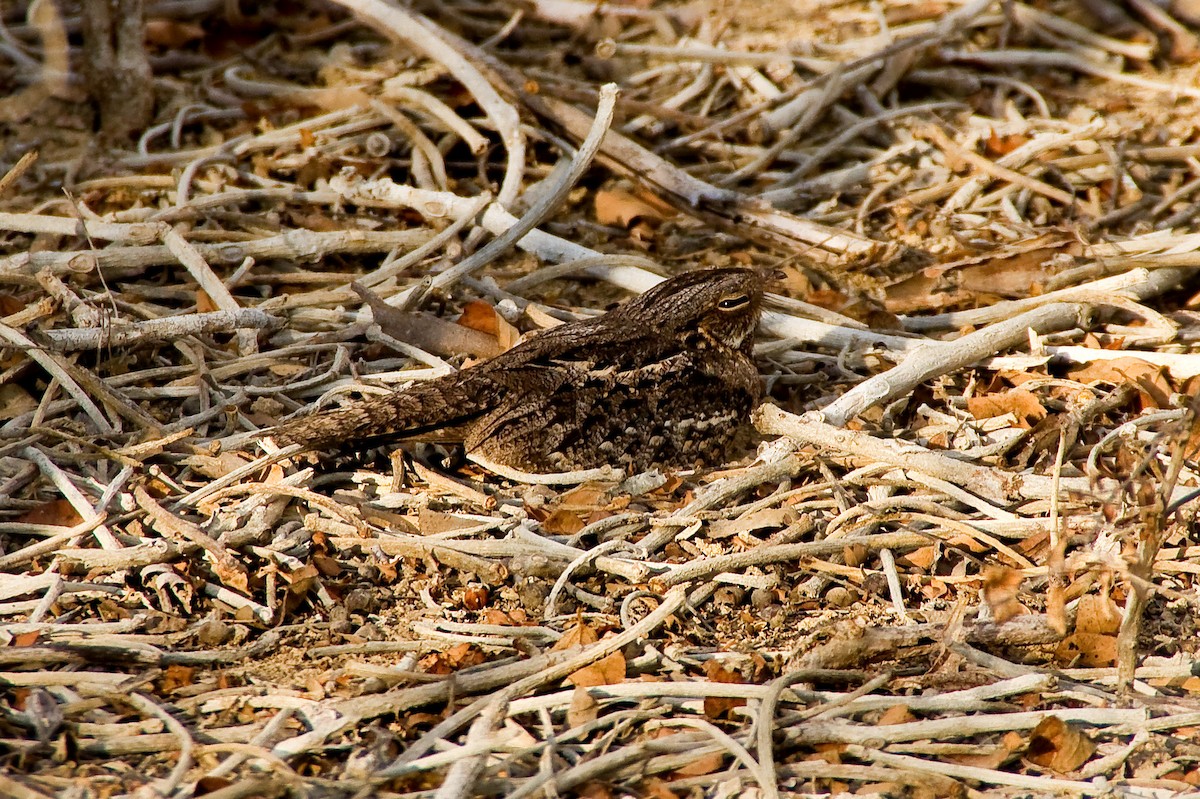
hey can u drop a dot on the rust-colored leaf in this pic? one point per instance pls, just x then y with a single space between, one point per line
608 670
1097 614
996 145
1025 407
171 33
587 496
231 573
1056 607
828 752
499 618
15 400
563 522
769 518
922 557
287 369
327 566
855 555
1154 388
433 522
935 589
25 639
430 332
705 764
896 714
992 757
1000 588
207 785
1011 272
479 315
718 707
625 209
58 512
175 677
1087 650
463 655
475 597
217 466
302 579
1056 745
204 303
655 788
578 634
595 790
9 304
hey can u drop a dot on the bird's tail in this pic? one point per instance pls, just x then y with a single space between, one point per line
428 410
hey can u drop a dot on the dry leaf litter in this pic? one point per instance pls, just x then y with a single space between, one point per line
963 561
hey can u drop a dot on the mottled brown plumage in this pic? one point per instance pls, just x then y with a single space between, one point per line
665 379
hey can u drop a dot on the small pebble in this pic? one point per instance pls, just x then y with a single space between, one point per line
533 593
729 595
360 600
761 597
212 632
369 632
839 597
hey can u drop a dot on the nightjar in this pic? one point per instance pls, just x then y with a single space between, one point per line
665 379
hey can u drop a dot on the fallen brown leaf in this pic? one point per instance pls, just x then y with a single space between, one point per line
717 707
578 634
1097 614
896 714
583 709
58 512
608 670
1087 650
171 33
1000 588
563 522
705 764
479 315
1056 745
1022 404
1151 381
624 208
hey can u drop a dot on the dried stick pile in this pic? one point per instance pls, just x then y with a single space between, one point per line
963 560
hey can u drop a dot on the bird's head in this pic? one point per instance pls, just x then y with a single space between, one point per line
717 306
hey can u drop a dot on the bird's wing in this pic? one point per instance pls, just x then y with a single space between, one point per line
452 408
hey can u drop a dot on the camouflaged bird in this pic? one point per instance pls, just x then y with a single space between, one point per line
665 379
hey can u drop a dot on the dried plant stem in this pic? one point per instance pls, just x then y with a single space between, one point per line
993 485
672 602
59 371
938 358
423 36
301 245
565 177
148 332
983 775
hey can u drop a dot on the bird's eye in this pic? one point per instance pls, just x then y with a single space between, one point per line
733 302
